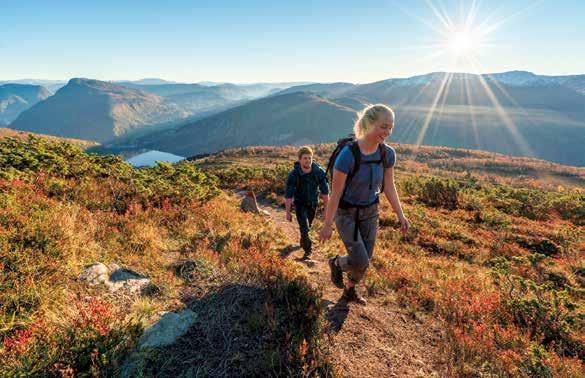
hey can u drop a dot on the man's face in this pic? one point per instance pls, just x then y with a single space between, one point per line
306 160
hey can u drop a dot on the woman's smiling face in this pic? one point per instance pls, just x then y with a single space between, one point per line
381 129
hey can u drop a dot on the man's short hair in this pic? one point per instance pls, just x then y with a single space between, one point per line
304 151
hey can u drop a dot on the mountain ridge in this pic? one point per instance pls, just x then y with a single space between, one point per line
95 110
16 98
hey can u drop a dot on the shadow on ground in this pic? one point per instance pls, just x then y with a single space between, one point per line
287 250
240 330
336 313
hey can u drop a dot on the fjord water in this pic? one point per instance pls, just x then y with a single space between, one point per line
149 158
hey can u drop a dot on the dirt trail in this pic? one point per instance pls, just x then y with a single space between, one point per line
379 340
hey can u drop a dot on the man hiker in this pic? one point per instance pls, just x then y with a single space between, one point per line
304 182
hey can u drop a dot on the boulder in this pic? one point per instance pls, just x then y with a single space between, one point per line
114 277
167 330
249 202
94 274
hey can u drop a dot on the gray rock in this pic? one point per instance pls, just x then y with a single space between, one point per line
119 278
249 202
167 330
95 274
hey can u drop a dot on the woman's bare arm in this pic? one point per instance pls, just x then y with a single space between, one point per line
392 196
337 185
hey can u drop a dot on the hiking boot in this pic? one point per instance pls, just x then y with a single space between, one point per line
351 295
336 272
306 256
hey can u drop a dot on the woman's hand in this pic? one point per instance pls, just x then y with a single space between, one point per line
404 225
325 233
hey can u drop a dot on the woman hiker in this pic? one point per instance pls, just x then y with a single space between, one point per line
363 168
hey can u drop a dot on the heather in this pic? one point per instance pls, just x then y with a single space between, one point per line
495 253
63 209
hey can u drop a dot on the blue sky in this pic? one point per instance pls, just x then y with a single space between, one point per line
268 41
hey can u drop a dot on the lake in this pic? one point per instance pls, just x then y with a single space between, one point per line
149 159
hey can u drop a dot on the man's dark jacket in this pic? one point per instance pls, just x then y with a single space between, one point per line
305 187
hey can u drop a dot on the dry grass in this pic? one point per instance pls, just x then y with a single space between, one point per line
501 265
55 222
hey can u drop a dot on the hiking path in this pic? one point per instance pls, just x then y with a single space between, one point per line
377 340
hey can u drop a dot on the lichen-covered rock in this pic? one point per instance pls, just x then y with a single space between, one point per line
114 278
167 330
94 274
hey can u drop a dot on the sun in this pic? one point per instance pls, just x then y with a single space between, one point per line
462 42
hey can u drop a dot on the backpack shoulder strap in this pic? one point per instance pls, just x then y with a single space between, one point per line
315 173
357 157
384 164
382 148
297 180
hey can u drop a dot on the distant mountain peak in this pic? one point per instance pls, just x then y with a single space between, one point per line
96 110
16 98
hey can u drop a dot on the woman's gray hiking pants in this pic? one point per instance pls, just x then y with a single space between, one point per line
360 251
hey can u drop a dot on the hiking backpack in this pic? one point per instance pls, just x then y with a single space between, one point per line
351 141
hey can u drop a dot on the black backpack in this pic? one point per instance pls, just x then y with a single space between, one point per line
351 141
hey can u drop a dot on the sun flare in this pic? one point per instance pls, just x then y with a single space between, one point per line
462 43
462 38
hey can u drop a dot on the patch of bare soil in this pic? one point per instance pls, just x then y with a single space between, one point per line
378 340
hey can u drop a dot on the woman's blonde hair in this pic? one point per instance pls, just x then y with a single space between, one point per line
368 116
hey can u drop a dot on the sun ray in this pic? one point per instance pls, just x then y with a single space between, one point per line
517 137
442 106
506 94
471 14
463 35
417 18
499 86
429 115
438 14
411 127
429 57
490 28
471 111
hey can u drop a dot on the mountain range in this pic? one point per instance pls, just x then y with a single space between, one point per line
96 110
294 118
15 98
517 112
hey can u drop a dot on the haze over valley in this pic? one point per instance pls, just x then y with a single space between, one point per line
517 113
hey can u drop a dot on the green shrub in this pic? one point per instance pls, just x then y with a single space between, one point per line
440 193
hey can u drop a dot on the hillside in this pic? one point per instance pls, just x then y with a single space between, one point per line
494 256
23 135
295 118
96 110
16 98
52 85
489 281
517 113
327 90
202 100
